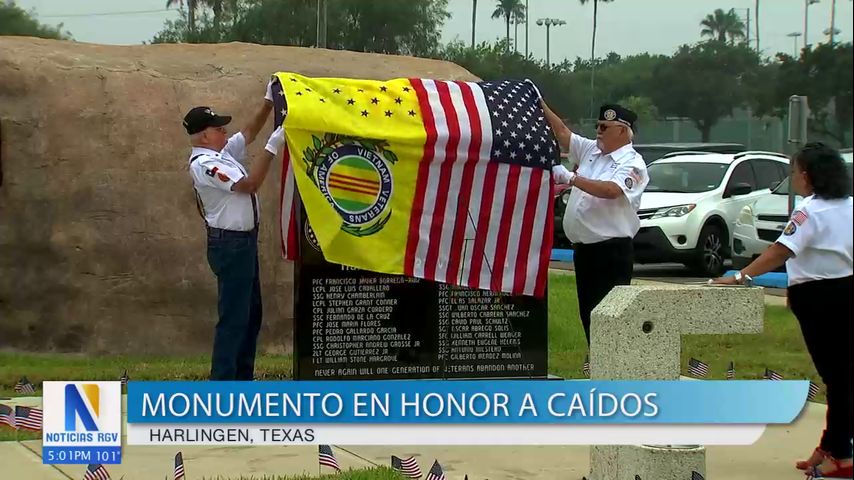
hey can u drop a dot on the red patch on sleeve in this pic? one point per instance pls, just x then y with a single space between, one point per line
223 177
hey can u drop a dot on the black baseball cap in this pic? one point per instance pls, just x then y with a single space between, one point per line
617 113
200 118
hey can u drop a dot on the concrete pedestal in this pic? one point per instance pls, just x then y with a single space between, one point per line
636 334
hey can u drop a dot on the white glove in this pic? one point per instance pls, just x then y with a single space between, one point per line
539 95
562 175
269 95
276 140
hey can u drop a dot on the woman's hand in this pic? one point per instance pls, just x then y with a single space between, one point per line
724 281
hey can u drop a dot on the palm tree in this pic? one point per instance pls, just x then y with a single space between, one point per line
508 9
595 17
593 48
473 20
720 25
191 11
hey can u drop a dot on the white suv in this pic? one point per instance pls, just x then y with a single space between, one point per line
760 223
690 206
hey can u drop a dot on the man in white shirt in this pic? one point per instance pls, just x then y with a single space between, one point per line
226 194
601 219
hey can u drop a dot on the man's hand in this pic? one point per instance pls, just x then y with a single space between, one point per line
276 140
269 95
562 175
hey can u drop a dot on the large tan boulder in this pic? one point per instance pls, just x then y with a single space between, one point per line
101 246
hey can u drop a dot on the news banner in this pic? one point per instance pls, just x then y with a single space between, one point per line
82 422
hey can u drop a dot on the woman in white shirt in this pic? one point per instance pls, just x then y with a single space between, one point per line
816 246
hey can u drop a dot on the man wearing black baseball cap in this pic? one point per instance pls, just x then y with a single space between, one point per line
601 219
226 195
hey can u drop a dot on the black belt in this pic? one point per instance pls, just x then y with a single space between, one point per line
222 233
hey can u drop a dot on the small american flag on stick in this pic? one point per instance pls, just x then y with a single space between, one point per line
28 418
124 378
813 391
730 372
179 466
96 472
696 476
327 458
772 375
697 368
436 472
408 467
7 416
25 387
585 369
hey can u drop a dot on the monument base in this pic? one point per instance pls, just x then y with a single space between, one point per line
647 462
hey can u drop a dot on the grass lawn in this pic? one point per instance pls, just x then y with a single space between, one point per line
780 347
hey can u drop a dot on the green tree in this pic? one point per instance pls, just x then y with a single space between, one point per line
824 75
642 106
16 21
509 9
722 25
704 82
191 11
406 28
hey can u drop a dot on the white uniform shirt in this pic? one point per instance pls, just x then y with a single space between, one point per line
820 235
589 219
214 173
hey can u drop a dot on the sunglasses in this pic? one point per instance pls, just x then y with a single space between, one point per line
601 127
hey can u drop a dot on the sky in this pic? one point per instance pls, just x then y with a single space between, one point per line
625 26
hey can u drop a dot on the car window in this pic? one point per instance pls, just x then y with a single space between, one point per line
743 173
685 177
767 173
784 170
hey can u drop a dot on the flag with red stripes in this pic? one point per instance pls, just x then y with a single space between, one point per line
484 195
447 181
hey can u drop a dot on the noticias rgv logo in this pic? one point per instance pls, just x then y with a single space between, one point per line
82 408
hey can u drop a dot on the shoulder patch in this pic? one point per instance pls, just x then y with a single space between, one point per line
800 217
791 228
629 182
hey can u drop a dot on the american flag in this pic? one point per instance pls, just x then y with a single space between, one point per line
799 217
772 375
179 466
288 190
327 458
24 386
730 372
813 391
96 472
436 472
124 378
7 415
697 368
585 369
484 178
28 418
408 467
696 476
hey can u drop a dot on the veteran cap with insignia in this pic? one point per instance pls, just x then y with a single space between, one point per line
200 118
616 113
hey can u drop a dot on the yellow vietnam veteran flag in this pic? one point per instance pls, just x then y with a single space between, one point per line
442 180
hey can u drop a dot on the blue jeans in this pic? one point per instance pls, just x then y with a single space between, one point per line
233 258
